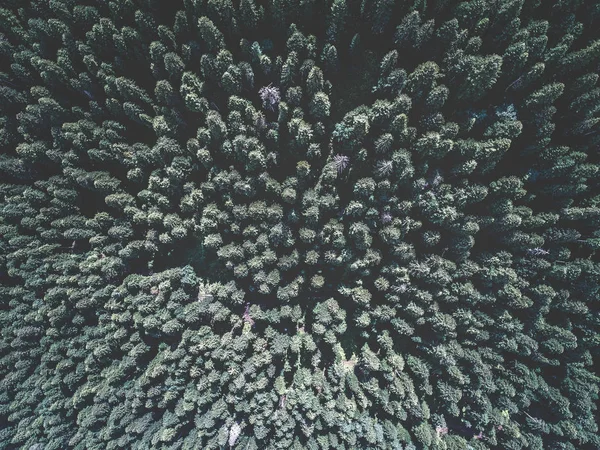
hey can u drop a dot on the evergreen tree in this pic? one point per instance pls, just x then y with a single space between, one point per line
283 224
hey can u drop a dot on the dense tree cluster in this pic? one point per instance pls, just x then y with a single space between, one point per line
280 224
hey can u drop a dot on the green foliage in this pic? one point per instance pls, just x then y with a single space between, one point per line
281 224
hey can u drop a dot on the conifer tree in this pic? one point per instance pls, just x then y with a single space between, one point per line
282 224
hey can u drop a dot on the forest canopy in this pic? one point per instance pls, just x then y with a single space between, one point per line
299 224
